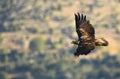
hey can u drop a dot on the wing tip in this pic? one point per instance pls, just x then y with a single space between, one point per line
80 16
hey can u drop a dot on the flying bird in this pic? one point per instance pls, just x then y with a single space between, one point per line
86 36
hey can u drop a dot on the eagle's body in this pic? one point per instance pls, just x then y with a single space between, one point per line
86 36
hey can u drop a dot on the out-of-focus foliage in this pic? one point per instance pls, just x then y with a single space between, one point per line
53 66
35 38
37 44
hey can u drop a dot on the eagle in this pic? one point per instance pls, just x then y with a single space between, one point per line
86 36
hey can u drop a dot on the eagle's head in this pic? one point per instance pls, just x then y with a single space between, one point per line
101 42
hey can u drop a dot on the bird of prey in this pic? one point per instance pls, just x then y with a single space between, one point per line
86 36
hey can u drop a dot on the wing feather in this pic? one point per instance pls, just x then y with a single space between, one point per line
86 35
83 26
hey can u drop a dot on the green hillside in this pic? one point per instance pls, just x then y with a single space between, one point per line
35 38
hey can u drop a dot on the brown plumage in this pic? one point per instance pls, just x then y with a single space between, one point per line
86 36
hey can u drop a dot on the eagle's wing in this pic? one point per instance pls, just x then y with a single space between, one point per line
83 27
86 35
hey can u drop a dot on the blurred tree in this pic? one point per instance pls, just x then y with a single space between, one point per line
15 12
37 44
1 38
29 76
7 9
4 75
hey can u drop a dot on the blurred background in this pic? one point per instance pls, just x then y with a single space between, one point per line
35 38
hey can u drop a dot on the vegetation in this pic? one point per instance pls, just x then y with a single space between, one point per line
35 38
37 44
55 66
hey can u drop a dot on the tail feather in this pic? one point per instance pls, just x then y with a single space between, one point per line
101 42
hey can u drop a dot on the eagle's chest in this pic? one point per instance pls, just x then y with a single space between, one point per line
87 44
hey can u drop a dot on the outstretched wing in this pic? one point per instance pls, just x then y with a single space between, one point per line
86 35
83 27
